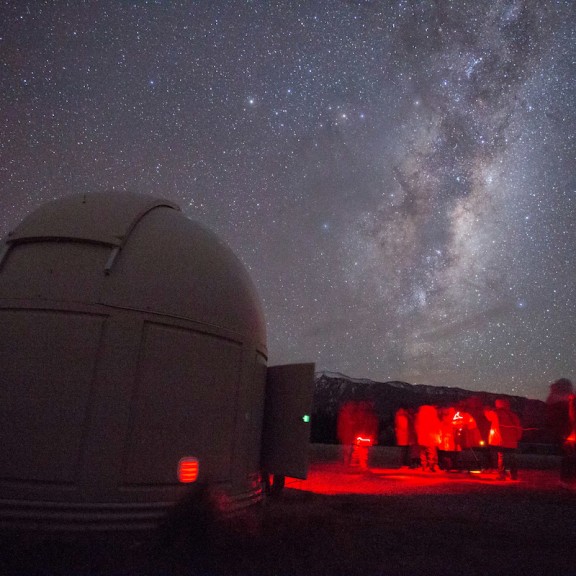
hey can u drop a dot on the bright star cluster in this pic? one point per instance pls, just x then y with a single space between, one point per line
398 176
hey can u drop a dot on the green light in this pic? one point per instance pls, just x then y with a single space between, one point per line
306 418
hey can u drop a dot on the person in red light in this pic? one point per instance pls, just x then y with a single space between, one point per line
405 435
561 418
468 433
366 432
505 432
447 449
347 418
569 448
427 426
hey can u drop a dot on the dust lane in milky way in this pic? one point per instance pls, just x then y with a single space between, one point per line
397 176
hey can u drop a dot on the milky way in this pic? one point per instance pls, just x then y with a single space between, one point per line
398 176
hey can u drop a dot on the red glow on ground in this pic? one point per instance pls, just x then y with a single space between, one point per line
334 478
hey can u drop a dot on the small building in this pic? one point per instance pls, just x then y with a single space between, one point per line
134 368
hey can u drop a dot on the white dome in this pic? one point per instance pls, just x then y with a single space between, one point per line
131 251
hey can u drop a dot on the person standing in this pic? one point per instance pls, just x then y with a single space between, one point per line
366 434
505 433
347 418
427 426
569 448
447 448
404 431
560 426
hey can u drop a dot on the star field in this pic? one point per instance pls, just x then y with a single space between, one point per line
398 176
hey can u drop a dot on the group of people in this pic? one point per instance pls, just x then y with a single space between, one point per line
432 438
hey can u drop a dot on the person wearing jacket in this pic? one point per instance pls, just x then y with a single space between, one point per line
561 423
346 424
569 449
365 434
505 432
449 448
405 435
427 426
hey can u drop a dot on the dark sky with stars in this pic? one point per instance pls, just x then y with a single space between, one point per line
398 175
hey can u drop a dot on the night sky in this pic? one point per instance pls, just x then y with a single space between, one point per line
398 176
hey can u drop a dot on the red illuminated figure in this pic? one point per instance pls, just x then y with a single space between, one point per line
357 431
347 418
447 449
505 432
365 434
569 448
561 420
406 437
467 433
571 439
427 426
570 445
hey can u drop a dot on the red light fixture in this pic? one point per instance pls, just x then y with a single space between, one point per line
360 441
188 469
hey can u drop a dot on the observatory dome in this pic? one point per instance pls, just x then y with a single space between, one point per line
134 370
131 251
132 341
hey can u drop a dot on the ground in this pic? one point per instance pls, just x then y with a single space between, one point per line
344 522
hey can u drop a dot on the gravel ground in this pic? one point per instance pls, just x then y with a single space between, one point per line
341 522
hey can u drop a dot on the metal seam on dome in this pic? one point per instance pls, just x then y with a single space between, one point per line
111 259
4 253
53 234
124 238
140 215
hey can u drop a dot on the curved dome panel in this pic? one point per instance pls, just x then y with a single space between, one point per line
104 218
150 257
177 267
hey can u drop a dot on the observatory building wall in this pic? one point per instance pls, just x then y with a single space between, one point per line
130 338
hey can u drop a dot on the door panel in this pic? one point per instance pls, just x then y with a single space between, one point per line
286 433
